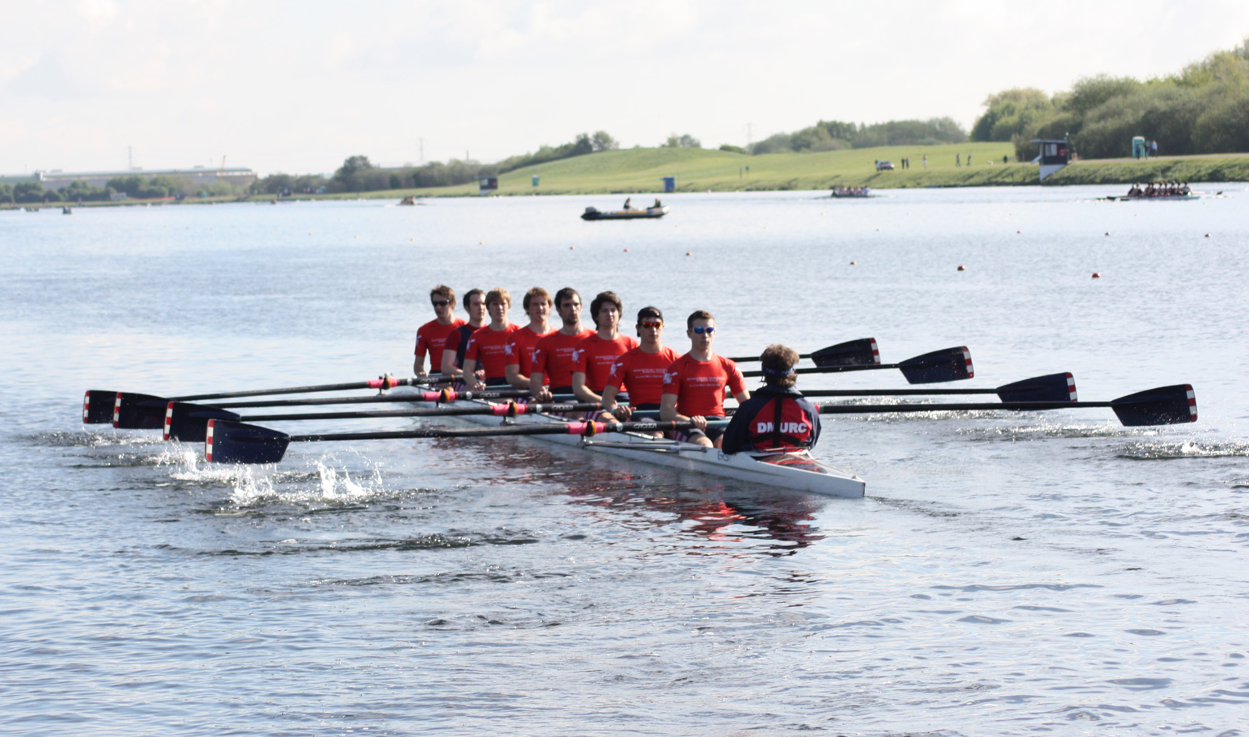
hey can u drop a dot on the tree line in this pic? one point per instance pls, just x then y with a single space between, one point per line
834 135
134 186
1203 108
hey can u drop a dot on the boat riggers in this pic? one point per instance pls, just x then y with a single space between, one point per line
129 410
948 364
860 352
1048 388
1167 405
189 422
228 441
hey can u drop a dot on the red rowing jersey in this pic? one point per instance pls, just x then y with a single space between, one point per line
519 348
487 347
552 356
594 357
430 338
702 386
643 373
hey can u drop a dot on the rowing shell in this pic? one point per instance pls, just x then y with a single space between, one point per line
794 471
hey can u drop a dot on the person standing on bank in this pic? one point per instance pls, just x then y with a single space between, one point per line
776 417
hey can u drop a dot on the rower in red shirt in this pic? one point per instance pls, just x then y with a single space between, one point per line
593 357
696 383
431 336
452 355
551 366
487 345
641 369
519 348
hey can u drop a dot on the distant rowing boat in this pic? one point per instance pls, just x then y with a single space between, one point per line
593 213
793 471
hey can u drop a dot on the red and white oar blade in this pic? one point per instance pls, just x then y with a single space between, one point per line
1167 405
139 411
227 441
97 407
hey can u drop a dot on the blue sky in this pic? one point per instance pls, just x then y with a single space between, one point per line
299 86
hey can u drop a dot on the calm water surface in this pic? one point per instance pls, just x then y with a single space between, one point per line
1045 573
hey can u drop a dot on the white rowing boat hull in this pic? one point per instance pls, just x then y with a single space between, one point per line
794 471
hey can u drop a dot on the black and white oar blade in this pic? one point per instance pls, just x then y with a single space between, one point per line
1167 405
861 352
97 407
1049 388
189 422
948 364
139 411
237 442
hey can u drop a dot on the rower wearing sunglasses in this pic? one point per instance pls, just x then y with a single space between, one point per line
695 384
777 417
431 336
593 357
641 369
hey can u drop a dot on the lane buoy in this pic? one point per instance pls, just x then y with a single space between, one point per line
962 268
626 250
854 263
689 253
1097 274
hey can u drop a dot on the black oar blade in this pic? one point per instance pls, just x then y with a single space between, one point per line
1050 388
236 442
189 422
97 407
948 364
1167 405
861 352
139 411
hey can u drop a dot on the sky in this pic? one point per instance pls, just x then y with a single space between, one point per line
297 87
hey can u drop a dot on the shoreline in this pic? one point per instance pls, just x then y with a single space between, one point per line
776 175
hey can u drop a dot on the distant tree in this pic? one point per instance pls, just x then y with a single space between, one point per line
688 141
582 146
732 149
602 141
1009 112
28 192
6 192
775 143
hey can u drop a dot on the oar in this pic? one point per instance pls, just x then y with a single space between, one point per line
1167 405
948 364
860 352
427 396
189 422
145 411
1048 388
237 442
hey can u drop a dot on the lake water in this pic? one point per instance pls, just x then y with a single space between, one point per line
1044 573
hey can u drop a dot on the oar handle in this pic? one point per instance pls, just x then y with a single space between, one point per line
852 409
586 429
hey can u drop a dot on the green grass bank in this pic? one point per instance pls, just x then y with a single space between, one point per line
700 170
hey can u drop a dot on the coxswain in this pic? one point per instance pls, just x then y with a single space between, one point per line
519 347
593 357
696 383
551 365
487 345
641 369
452 356
431 335
776 417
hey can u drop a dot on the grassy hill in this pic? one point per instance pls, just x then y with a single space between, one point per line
641 171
